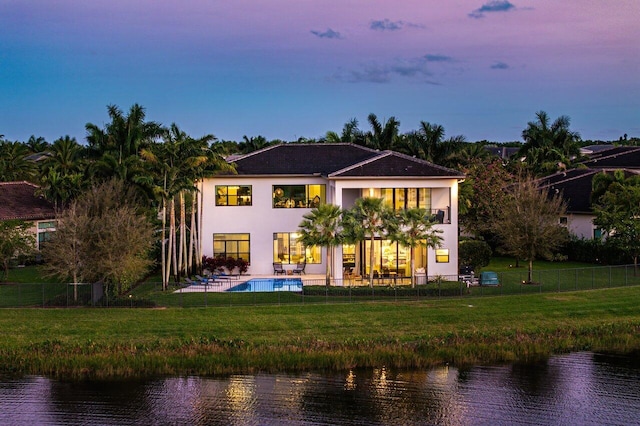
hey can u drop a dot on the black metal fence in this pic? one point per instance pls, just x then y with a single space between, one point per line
348 290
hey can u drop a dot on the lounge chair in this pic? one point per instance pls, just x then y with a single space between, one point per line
192 282
300 268
278 269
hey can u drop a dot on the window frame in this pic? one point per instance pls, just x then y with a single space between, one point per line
237 253
442 255
290 196
284 256
237 196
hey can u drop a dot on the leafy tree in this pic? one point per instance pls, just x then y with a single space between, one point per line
321 227
382 135
252 144
367 219
15 240
414 229
618 212
102 236
350 133
527 222
62 175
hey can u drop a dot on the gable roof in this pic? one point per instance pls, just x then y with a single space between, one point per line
335 160
19 201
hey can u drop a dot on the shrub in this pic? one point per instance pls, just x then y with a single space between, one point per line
474 253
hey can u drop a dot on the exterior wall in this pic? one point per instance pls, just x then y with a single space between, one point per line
261 220
581 225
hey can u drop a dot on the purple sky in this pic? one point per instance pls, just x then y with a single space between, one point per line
297 68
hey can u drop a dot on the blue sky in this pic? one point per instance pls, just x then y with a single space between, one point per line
297 68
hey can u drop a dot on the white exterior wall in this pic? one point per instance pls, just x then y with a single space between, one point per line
261 220
581 225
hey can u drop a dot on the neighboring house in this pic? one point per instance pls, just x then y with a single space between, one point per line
18 201
255 214
575 186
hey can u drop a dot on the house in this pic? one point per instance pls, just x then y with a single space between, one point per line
19 201
255 213
575 186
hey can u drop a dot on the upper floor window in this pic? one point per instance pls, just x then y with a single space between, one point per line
405 198
298 196
45 231
233 195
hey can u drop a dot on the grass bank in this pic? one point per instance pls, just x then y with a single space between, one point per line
108 343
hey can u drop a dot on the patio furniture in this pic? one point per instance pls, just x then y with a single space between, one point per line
278 269
300 268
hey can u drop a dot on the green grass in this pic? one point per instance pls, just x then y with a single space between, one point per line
77 343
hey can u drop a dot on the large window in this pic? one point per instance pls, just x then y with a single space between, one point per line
288 249
233 195
232 245
405 198
298 196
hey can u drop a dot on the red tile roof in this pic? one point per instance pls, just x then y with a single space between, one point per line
18 200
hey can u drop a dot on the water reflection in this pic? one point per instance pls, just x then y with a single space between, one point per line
582 388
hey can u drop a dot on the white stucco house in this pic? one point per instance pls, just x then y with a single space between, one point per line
255 213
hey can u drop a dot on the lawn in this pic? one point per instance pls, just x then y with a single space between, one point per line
143 342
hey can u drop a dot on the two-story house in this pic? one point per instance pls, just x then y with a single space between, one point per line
255 213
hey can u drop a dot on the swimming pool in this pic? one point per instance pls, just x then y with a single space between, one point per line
269 284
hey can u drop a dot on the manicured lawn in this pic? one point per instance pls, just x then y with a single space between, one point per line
142 342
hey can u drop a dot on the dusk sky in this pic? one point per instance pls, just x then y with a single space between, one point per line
286 69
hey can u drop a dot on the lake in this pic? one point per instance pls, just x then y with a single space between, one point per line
575 389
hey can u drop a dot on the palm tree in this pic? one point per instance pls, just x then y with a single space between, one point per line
117 147
382 136
37 144
367 219
350 133
415 230
14 165
548 143
252 144
321 227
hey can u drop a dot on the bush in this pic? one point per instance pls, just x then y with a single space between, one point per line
594 251
474 253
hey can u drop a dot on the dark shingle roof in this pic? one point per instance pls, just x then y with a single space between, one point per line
619 157
575 186
336 160
18 201
393 164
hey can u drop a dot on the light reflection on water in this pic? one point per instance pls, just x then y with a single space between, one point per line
580 388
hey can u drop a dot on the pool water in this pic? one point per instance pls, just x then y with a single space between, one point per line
269 284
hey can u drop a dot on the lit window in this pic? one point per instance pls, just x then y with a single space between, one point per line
287 248
298 196
563 220
232 245
442 255
233 195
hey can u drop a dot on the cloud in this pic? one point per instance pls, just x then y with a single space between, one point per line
410 68
438 58
329 33
492 6
499 66
388 25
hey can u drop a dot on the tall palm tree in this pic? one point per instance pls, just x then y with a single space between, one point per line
14 164
415 229
549 143
117 147
350 133
321 227
382 135
367 219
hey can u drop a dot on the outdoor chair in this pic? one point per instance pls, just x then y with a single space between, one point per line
278 269
300 268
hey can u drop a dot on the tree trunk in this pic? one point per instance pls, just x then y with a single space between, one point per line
165 260
371 257
193 235
328 277
172 238
530 273
413 275
182 258
199 235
